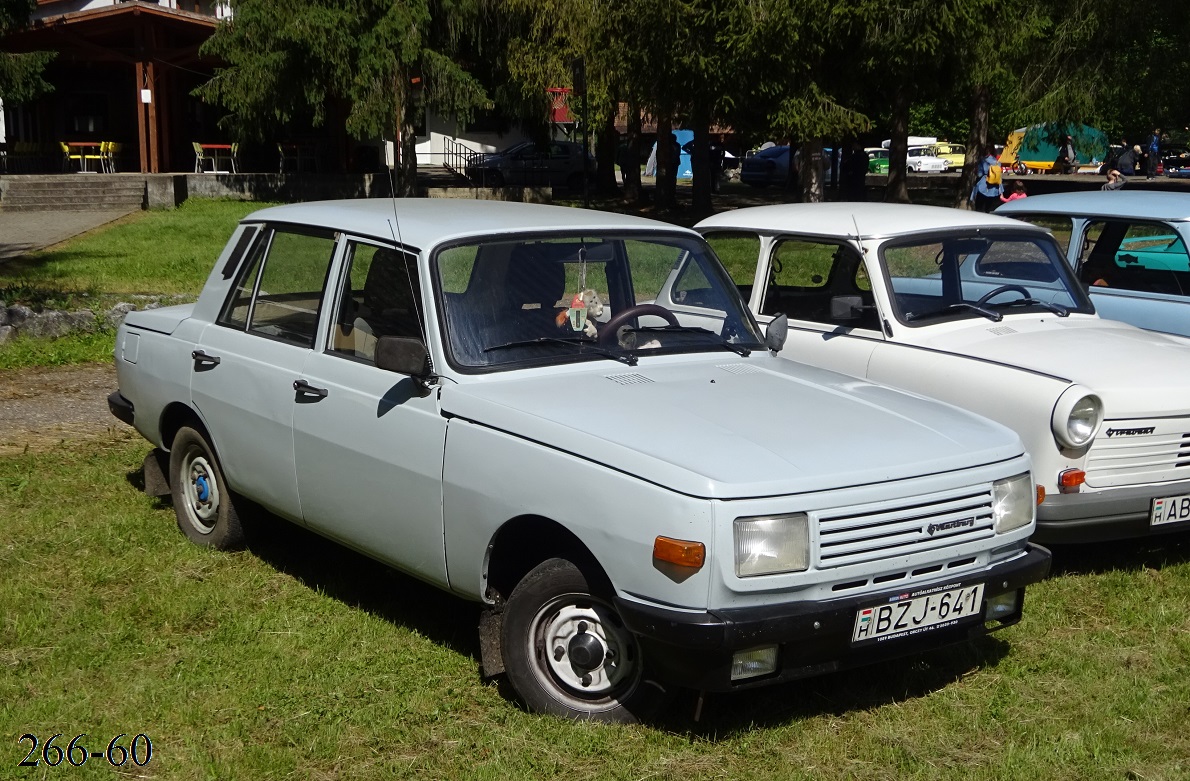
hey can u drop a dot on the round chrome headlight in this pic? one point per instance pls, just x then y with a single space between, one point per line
1077 417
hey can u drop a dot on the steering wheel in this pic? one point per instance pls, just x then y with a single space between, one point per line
607 331
1003 289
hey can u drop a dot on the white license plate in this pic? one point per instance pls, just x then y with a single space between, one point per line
921 614
1170 510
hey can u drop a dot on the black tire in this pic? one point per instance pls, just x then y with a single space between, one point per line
554 605
203 501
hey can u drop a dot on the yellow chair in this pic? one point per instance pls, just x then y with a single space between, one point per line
68 156
201 157
97 156
110 154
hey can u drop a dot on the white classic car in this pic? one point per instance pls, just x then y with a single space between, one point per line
484 395
982 312
1129 248
922 160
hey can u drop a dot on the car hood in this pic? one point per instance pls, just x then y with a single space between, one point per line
734 428
1137 373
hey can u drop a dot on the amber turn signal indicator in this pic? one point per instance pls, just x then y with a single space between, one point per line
684 553
1070 480
1040 494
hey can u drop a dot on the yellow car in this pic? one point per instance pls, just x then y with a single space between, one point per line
955 154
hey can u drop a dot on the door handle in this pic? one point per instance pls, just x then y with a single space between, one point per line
304 388
202 360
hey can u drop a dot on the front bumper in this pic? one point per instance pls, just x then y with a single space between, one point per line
695 649
1112 514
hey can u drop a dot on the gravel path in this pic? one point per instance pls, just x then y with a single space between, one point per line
40 408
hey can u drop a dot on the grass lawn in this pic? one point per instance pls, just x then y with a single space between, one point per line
299 658
148 253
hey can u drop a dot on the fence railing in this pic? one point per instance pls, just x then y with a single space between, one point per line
458 156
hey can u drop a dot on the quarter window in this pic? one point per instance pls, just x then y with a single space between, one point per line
1143 256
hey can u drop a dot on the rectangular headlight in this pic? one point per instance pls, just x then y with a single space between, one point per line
1014 503
764 546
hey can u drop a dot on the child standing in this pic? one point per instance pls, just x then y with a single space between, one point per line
1018 192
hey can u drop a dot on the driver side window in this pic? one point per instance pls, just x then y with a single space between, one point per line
806 276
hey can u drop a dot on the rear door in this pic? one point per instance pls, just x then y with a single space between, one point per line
247 362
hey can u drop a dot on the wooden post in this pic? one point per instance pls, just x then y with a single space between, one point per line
140 119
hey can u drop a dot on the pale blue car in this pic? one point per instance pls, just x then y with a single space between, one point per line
1128 248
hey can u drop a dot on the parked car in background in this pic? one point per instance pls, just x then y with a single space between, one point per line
1128 247
768 166
488 396
982 312
955 155
528 164
921 161
1174 157
877 160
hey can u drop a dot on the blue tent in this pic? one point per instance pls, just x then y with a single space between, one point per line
684 169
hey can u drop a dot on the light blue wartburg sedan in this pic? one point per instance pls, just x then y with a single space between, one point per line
1129 247
484 395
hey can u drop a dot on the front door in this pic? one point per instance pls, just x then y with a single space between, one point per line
369 443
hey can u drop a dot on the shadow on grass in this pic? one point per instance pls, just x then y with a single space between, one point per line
1156 552
365 584
727 715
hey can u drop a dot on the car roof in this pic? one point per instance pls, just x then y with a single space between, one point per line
421 222
1134 204
841 219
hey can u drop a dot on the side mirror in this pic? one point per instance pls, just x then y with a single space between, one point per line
776 333
846 307
404 356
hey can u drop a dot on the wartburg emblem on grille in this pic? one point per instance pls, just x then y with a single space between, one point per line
948 525
1130 432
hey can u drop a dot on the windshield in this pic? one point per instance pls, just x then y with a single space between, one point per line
564 298
968 276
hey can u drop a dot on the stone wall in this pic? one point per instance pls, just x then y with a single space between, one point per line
20 320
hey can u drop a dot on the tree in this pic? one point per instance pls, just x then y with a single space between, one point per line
20 74
294 61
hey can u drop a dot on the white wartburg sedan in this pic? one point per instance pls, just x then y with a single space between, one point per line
982 312
485 395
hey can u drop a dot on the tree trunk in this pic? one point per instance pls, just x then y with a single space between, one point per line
630 168
405 142
606 141
897 190
811 170
981 101
667 163
700 164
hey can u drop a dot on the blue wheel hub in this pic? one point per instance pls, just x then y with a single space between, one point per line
204 489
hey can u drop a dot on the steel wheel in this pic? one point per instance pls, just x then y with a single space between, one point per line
567 652
203 503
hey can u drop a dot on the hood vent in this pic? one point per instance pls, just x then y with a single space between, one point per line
629 379
740 368
1002 330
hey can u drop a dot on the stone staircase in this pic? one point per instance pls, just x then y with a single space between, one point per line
72 192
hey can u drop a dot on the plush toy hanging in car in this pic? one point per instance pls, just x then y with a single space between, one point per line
584 308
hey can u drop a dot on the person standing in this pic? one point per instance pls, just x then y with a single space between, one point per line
985 195
853 173
1153 152
1126 162
1067 160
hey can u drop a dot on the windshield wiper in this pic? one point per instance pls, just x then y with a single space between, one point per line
1060 311
738 349
591 344
995 317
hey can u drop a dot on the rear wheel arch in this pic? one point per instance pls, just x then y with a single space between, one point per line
174 417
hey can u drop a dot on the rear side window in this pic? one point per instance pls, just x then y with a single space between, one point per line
1143 256
279 292
1059 225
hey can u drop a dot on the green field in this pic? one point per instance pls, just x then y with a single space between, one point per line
301 659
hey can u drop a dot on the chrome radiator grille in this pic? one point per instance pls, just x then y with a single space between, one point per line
1138 452
866 533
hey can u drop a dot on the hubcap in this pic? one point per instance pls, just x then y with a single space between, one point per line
202 493
583 651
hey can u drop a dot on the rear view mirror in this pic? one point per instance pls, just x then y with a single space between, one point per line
776 332
404 356
846 307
